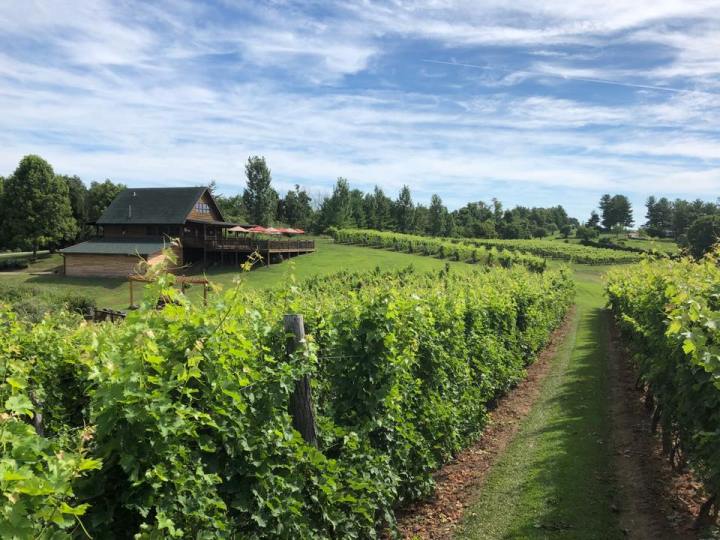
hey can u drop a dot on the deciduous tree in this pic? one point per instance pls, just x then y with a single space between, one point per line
78 193
37 206
99 197
295 208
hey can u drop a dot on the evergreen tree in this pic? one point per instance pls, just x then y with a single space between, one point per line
623 211
616 211
378 210
404 211
295 208
259 198
659 216
421 219
37 206
336 210
437 216
357 209
606 211
497 211
594 221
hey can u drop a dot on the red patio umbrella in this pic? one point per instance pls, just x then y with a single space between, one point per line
257 229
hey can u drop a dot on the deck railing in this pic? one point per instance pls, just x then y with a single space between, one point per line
249 244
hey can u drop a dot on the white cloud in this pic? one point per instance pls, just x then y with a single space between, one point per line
132 92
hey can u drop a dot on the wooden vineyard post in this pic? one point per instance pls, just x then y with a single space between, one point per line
301 407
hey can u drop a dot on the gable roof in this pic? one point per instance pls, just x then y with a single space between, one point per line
156 206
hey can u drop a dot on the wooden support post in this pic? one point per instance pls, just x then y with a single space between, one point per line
205 288
300 406
204 246
131 292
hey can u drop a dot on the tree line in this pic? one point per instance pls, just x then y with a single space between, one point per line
674 219
41 209
348 207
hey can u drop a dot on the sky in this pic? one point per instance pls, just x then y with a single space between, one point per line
537 104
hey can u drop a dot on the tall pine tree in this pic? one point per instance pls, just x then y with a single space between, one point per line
404 211
437 216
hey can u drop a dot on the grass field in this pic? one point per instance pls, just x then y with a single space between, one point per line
329 258
554 480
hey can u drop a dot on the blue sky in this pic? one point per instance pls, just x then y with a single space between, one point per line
541 104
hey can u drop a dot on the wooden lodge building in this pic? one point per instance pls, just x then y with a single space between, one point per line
144 222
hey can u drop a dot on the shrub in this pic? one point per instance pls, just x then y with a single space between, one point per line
703 234
33 303
13 264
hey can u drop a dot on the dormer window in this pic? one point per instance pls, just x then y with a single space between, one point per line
202 208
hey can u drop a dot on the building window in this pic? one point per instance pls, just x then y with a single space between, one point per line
202 208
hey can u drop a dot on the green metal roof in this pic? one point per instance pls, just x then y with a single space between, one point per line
156 206
116 247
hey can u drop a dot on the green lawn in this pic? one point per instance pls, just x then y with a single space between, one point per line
329 258
664 245
554 481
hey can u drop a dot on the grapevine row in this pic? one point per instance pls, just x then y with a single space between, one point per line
560 250
669 311
530 253
175 422
438 247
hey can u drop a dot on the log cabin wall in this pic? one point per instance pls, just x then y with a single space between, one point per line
83 265
86 265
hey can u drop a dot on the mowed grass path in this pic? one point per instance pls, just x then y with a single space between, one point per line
554 481
329 258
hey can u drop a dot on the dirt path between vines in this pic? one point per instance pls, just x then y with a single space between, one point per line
458 481
650 500
653 501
